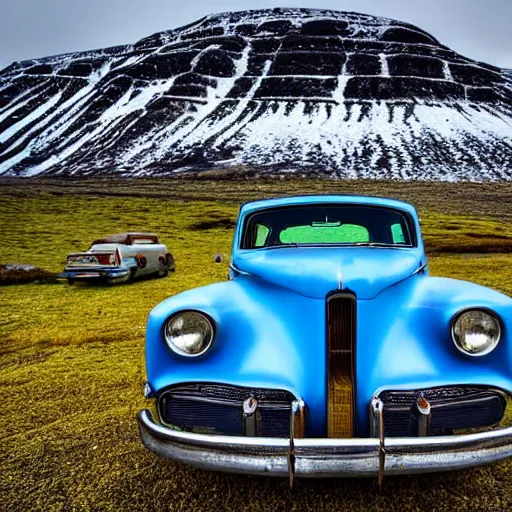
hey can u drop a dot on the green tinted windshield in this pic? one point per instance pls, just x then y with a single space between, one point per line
327 225
324 234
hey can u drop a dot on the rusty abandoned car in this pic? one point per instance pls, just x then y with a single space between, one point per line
119 259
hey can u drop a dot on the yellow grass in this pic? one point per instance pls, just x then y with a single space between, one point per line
72 357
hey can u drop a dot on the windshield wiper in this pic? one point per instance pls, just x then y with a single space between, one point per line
375 244
291 244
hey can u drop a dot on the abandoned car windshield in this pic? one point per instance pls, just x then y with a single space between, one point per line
346 224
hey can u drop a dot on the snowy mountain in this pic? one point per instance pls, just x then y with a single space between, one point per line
282 90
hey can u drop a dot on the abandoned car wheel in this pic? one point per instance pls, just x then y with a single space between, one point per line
131 275
169 259
164 268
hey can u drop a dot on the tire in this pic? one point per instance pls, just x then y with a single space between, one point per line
169 259
71 281
167 264
163 272
123 280
131 276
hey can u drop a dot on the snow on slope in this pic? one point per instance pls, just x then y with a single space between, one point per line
311 91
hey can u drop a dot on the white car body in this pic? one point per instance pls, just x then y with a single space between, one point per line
120 258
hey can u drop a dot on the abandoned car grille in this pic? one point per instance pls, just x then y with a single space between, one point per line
452 408
341 332
227 410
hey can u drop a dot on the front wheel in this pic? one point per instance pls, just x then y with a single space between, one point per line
131 276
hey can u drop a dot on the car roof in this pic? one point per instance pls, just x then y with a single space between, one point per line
263 204
124 238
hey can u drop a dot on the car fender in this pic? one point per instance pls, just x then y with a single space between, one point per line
265 336
404 339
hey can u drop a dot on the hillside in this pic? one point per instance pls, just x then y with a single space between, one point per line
285 90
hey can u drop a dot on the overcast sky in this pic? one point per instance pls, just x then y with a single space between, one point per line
480 29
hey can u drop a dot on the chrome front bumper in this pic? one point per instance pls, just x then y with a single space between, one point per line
325 457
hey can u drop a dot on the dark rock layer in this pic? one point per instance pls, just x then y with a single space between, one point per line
314 91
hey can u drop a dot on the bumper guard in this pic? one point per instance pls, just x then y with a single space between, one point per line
307 458
94 273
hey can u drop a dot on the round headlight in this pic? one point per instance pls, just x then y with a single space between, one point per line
476 332
189 333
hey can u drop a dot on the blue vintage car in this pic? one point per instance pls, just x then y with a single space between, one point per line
330 351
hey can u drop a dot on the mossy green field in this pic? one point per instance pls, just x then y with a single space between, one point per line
72 357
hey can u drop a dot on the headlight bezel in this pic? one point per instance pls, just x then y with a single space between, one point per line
175 349
491 348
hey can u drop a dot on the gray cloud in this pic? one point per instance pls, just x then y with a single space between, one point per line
38 28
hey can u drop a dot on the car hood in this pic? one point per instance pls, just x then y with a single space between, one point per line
316 271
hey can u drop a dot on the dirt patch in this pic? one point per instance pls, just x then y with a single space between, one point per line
19 273
213 223
474 243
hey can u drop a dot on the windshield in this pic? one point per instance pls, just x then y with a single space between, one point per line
330 224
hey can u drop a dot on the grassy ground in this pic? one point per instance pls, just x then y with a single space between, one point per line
71 358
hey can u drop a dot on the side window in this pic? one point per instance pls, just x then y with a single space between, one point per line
143 241
397 233
262 232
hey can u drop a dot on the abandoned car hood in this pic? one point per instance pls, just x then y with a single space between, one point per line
316 271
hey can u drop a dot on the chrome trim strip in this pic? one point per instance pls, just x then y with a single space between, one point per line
420 268
377 430
298 419
376 406
148 391
104 269
297 431
237 270
325 457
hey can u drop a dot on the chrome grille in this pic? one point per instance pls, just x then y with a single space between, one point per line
452 408
341 333
220 409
